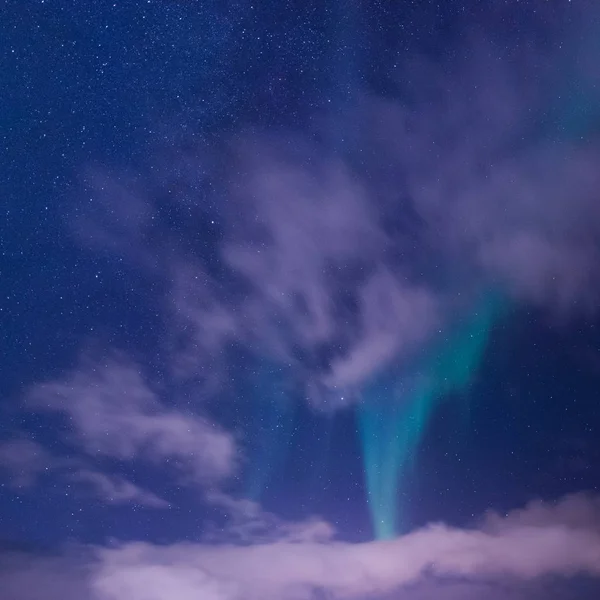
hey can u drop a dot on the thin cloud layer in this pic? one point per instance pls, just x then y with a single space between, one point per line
26 462
117 490
247 523
337 263
113 413
575 511
23 460
332 260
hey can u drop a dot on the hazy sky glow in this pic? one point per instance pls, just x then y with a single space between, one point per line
300 301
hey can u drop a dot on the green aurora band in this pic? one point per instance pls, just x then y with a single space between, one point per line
396 409
273 415
394 414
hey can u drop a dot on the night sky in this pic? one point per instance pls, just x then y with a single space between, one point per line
299 300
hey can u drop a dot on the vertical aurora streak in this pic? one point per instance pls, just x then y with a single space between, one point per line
396 409
273 416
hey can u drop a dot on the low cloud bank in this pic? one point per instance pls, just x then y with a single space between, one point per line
506 554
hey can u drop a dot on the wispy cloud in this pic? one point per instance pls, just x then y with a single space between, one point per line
23 460
112 412
114 489
246 522
338 262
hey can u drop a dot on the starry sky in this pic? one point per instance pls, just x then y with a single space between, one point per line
299 300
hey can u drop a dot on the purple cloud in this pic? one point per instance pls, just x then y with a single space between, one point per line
454 563
575 511
24 460
294 570
29 577
114 413
246 522
335 266
395 317
117 490
509 557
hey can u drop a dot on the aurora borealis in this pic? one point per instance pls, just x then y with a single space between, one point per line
273 417
393 414
396 409
300 300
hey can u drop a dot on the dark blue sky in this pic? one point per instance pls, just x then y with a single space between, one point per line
138 142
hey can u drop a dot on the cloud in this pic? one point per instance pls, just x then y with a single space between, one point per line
299 227
395 316
117 490
338 262
23 460
112 412
25 576
294 570
117 223
305 279
533 221
575 511
511 560
246 522
202 326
